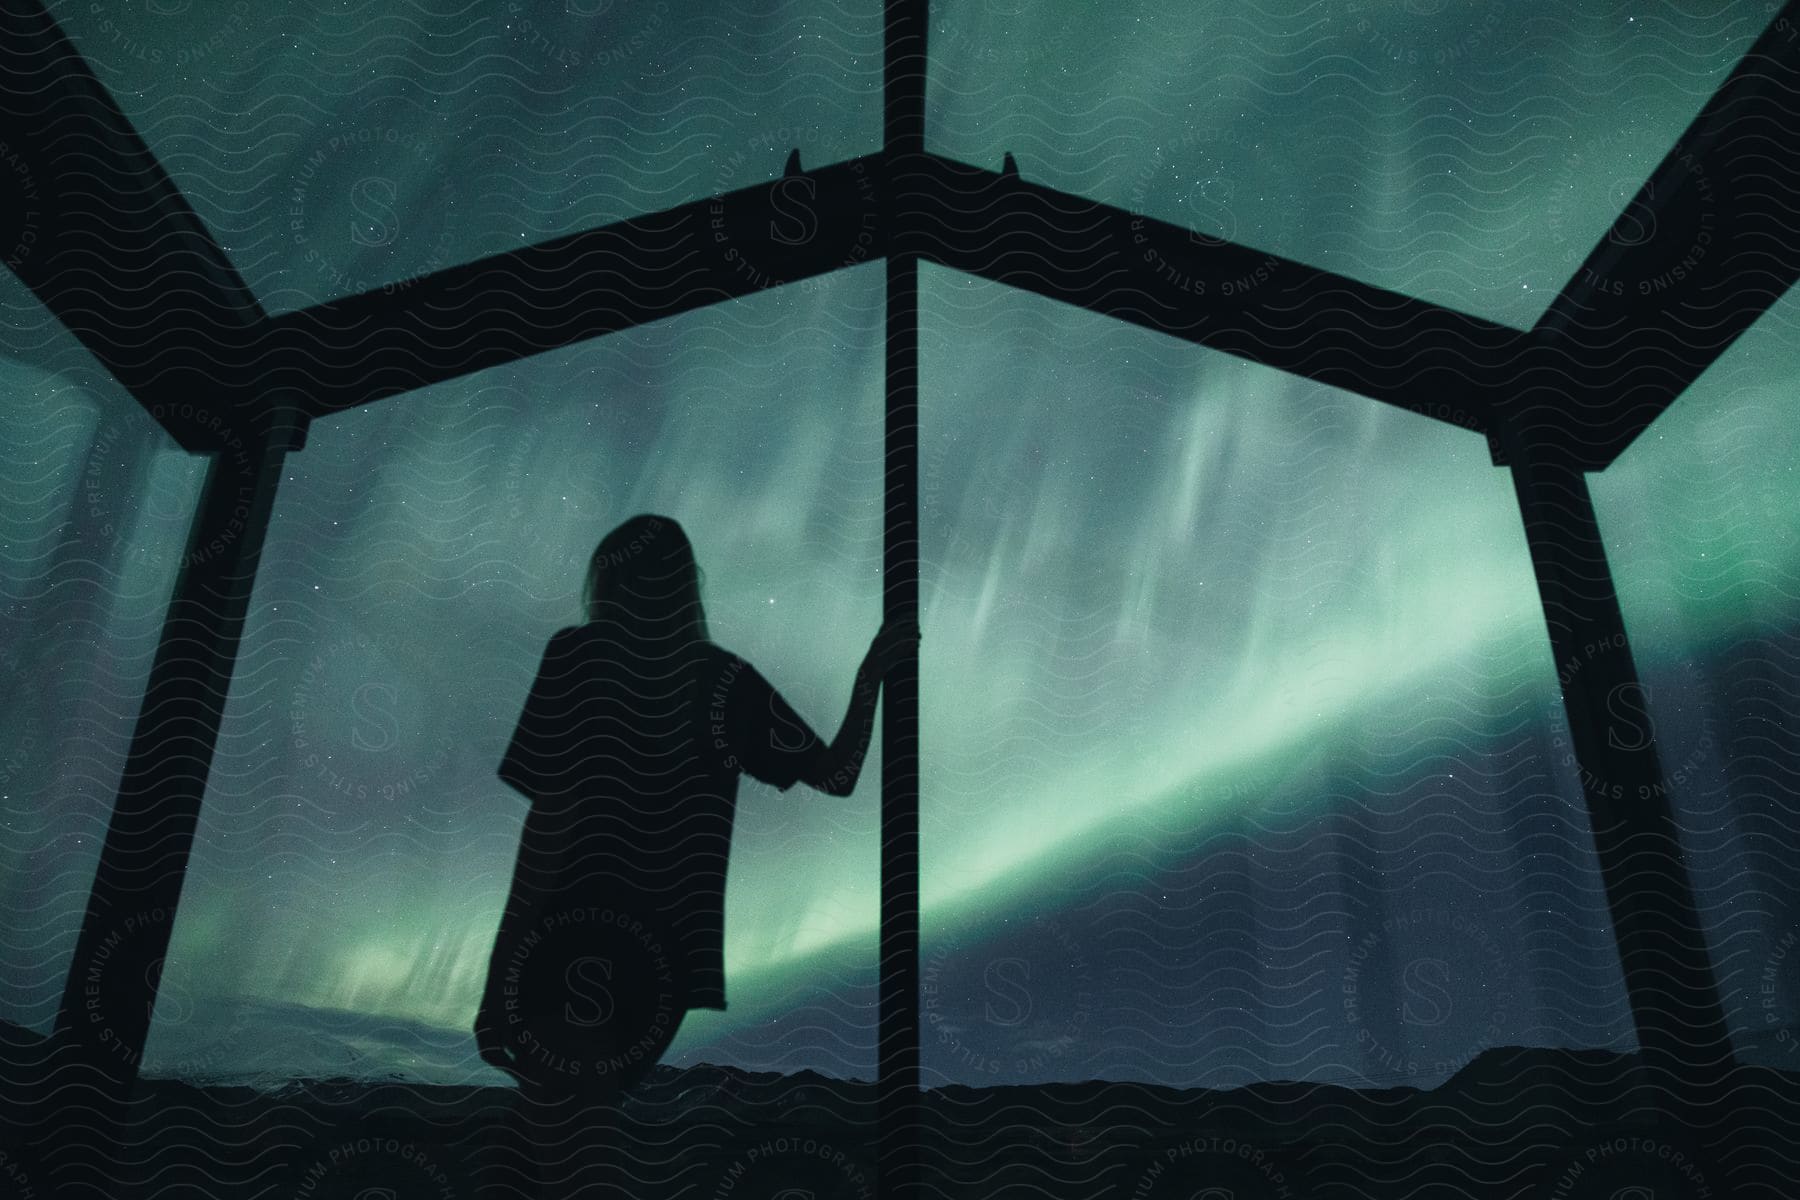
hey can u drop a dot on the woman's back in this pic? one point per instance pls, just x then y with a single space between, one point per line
613 751
630 754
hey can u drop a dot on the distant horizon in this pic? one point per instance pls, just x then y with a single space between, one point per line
269 1080
665 1069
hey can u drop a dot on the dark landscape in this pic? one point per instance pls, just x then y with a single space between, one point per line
1514 1123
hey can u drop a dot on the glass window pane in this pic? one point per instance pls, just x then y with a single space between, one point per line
1468 154
337 148
1244 758
1698 515
98 501
356 847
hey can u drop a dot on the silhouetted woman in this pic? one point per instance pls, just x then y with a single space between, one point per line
629 749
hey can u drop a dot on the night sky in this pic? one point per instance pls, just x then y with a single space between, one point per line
1242 753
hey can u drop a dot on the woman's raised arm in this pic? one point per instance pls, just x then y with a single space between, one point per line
838 767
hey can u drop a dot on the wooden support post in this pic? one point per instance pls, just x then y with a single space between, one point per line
1675 1001
111 987
898 1103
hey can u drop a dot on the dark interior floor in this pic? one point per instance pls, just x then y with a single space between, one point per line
1514 1124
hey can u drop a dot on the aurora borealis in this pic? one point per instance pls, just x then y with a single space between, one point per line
1242 755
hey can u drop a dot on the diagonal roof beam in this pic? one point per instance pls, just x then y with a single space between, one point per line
497 310
1703 250
1263 307
94 226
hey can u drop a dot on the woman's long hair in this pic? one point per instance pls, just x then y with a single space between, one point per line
644 576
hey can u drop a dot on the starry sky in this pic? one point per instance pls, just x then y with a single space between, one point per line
1242 756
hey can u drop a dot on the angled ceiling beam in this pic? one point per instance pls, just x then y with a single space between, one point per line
1702 251
94 226
1263 307
506 307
